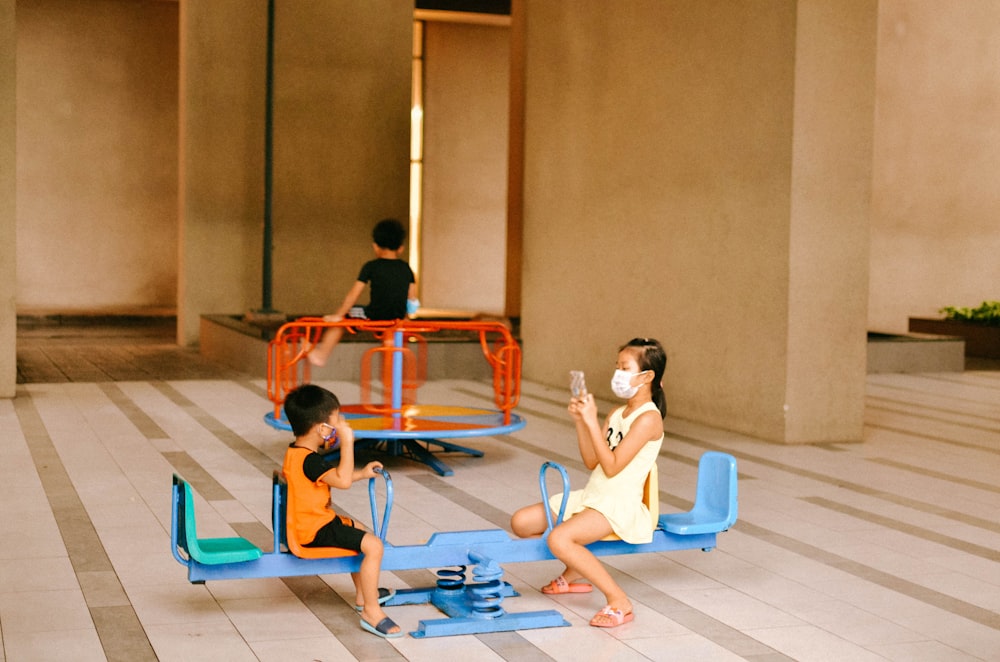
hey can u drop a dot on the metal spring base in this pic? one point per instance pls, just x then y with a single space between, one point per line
473 608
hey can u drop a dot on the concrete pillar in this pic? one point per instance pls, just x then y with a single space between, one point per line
8 226
222 60
832 140
700 173
341 141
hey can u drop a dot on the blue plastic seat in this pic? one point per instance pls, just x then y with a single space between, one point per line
715 506
209 551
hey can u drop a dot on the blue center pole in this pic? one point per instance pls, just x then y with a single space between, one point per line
397 376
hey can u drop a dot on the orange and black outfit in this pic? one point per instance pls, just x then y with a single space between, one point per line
313 518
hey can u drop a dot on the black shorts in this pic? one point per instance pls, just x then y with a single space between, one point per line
340 532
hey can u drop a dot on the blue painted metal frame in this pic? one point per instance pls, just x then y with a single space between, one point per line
484 548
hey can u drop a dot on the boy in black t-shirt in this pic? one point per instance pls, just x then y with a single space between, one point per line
393 288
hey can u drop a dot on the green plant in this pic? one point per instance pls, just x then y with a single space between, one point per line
988 313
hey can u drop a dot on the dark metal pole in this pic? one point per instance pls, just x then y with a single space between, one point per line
268 152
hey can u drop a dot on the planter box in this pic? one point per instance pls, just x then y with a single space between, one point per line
914 352
980 340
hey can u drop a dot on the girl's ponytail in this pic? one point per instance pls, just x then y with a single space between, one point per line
659 399
651 356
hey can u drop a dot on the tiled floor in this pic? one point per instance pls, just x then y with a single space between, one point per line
882 550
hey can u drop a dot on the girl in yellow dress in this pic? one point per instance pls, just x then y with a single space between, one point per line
620 457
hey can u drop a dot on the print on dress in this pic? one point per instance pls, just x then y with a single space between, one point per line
614 438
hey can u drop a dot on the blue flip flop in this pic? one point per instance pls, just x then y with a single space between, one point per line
382 629
384 595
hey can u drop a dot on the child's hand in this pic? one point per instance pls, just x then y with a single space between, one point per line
369 470
345 433
332 318
583 408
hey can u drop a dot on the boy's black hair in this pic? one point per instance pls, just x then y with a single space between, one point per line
389 234
650 355
308 405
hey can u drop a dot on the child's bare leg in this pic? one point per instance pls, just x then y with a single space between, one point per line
367 580
530 522
358 595
567 544
321 352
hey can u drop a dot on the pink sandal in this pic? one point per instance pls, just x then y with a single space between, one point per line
559 585
610 618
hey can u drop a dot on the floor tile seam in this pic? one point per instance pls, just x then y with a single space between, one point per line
50 364
900 500
912 590
85 554
942 422
699 623
929 399
988 553
249 385
940 419
194 474
81 561
139 418
939 475
936 394
250 453
204 480
121 634
943 377
965 445
58 356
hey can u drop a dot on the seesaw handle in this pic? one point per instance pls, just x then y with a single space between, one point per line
545 493
382 530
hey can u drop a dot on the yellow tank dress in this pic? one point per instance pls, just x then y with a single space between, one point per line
619 498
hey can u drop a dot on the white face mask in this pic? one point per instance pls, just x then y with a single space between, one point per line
621 384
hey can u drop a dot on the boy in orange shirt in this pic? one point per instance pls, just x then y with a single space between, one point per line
314 414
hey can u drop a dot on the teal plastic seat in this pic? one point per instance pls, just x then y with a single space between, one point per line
715 505
209 551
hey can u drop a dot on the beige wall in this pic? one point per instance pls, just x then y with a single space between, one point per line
936 203
8 194
97 154
341 137
667 200
466 85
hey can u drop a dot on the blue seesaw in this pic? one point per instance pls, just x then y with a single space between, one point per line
398 426
471 608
